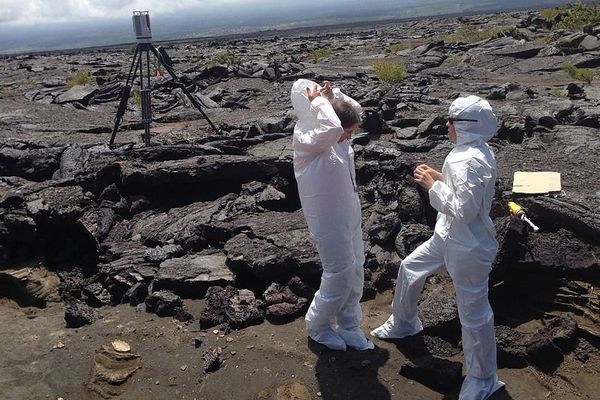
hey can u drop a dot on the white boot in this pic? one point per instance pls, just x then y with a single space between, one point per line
328 338
356 339
390 330
479 389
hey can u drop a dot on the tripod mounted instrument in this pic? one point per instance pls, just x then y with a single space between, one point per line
140 68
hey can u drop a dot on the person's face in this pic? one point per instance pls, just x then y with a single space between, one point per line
350 130
451 131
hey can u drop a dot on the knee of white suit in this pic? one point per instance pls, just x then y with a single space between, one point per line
473 306
335 284
330 298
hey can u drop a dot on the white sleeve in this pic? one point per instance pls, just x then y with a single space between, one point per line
465 202
338 95
327 134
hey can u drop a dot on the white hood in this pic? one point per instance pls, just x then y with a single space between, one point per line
306 116
473 107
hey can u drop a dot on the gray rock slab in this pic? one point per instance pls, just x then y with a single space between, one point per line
76 93
405 133
192 275
526 50
187 226
260 258
590 43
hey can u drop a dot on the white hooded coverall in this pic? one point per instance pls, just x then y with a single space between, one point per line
326 178
464 243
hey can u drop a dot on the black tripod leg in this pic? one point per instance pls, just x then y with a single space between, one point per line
197 104
179 84
145 95
125 93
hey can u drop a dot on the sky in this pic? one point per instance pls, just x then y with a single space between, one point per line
38 25
24 12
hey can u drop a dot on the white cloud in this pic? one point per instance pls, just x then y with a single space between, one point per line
35 11
41 12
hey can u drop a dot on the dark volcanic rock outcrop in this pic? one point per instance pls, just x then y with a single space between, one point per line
283 304
166 304
78 314
238 308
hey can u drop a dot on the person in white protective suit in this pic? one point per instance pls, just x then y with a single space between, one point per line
325 173
463 242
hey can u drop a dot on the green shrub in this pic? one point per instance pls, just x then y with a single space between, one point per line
548 39
575 16
453 60
221 58
470 34
390 72
80 78
136 97
394 48
558 93
317 54
550 13
581 74
5 92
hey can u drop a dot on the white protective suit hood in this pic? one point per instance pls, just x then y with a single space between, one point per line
473 107
307 118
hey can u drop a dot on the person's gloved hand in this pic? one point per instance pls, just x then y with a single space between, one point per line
423 176
436 175
327 91
312 93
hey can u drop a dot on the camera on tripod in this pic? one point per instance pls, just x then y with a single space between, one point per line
140 68
141 26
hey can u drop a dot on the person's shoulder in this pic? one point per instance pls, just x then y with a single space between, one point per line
475 158
459 154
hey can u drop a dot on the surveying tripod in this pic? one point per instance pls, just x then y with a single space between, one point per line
142 51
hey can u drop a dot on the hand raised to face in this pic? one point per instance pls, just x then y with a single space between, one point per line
327 90
312 93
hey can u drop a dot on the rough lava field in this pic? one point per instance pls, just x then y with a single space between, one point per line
194 250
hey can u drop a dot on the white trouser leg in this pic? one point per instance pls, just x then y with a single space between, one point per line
425 260
329 299
334 246
470 278
350 315
320 317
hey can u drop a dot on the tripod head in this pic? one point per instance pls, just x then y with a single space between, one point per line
141 26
